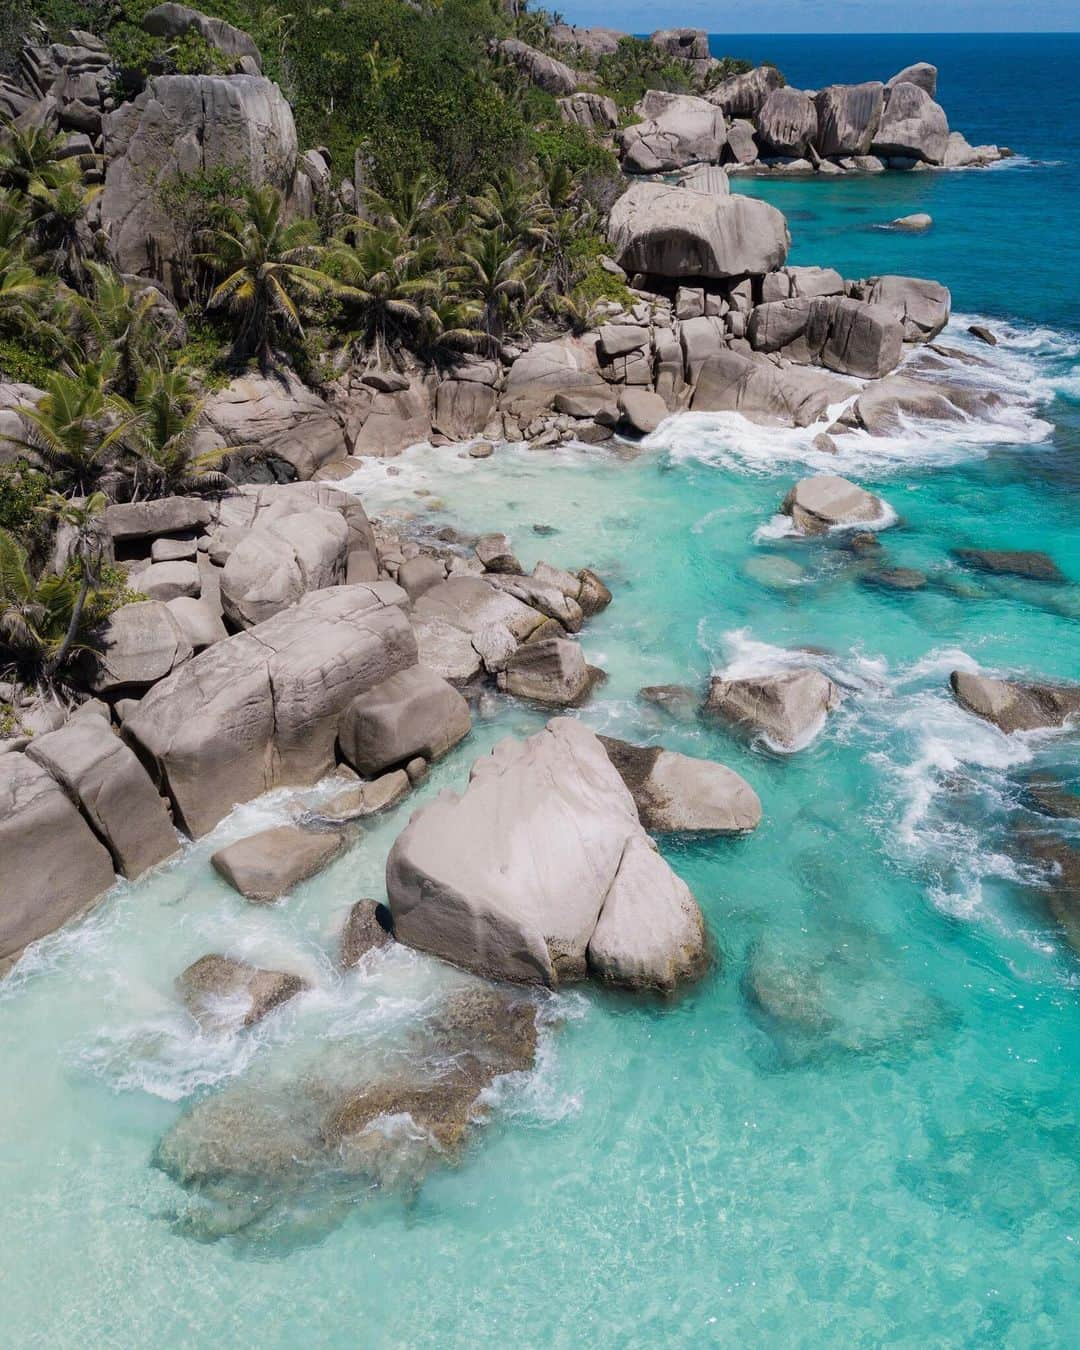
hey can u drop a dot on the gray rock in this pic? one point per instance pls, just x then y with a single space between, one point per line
912 125
414 712
51 865
172 20
547 598
764 392
741 147
548 369
1014 705
922 74
680 700
364 799
921 307
513 878
281 559
585 44
224 994
895 579
825 502
278 417
978 330
127 521
675 232
419 574
104 779
594 112
463 408
201 622
365 931
594 596
552 76
265 866
883 408
787 123
451 617
787 708
642 410
168 580
678 129
848 118
173 550
137 646
497 555
1028 563
854 337
551 671
678 794
918 223
262 708
745 95
186 124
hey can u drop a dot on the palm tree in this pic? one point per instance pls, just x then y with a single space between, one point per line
31 156
58 210
75 426
500 277
388 277
161 439
264 262
121 319
87 552
516 206
43 620
413 205
20 290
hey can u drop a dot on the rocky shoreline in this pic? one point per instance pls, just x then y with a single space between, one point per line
283 638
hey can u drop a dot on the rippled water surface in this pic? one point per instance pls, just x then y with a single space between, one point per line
896 1160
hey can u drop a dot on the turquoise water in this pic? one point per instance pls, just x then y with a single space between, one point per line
904 1170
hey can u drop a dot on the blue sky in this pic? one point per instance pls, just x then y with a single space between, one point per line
828 16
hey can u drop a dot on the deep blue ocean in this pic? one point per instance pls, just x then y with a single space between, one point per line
863 1127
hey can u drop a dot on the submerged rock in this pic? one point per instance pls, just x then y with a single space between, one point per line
1027 563
679 794
787 708
1061 887
1013 705
366 929
224 994
680 700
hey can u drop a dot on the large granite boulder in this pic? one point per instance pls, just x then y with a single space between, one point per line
921 307
466 624
551 671
414 712
224 994
278 418
548 369
848 116
826 502
51 864
1014 705
463 408
912 126
788 708
856 338
745 95
677 130
267 865
594 112
789 395
137 646
200 621
548 74
262 709
281 559
512 878
585 45
675 232
679 794
787 123
172 20
104 779
186 125
922 74
884 407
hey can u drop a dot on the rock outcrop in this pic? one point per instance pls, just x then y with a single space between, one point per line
848 116
787 123
676 130
512 878
679 794
414 712
264 866
827 502
912 126
552 76
676 232
224 994
1014 705
787 708
263 708
173 20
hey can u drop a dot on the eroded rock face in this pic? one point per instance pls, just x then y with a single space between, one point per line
848 117
281 559
676 232
263 708
186 124
791 395
788 708
109 785
826 501
787 123
679 794
552 76
366 930
912 125
511 878
745 95
1013 705
548 369
678 129
922 74
551 671
172 20
279 417
463 622
138 645
920 306
51 865
224 994
594 112
882 407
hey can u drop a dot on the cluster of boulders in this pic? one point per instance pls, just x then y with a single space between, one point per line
282 636
755 122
